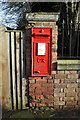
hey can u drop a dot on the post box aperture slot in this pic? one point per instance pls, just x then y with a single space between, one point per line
38 35
41 48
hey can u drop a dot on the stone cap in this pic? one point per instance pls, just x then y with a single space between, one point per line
43 16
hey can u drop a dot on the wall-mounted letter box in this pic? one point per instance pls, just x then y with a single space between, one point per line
41 51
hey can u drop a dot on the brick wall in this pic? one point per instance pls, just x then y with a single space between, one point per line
60 90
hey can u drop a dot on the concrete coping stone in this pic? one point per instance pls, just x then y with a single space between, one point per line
68 64
42 16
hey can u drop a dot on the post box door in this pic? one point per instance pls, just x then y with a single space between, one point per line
41 54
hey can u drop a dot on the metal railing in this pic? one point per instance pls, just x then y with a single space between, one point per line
69 41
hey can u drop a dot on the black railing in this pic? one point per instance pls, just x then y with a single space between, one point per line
69 40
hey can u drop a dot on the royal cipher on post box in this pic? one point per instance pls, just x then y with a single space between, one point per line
41 51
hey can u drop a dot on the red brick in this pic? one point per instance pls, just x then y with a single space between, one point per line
54 42
54 46
54 37
71 94
48 77
57 81
43 89
69 98
67 72
55 32
62 72
34 85
75 85
50 89
39 97
41 81
52 24
69 90
33 97
73 72
59 103
32 81
71 103
70 81
38 89
31 93
47 101
40 105
70 72
62 81
46 24
35 93
50 97
59 94
56 98
31 89
38 93
61 98
60 85
60 76
56 90
50 81
73 76
47 85
47 93
53 72
56 106
50 104
74 80
53 60
37 101
54 56
34 77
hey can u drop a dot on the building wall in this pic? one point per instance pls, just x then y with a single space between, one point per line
60 90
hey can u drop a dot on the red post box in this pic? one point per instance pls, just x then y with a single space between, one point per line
41 51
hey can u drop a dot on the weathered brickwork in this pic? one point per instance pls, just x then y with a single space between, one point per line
58 93
60 90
